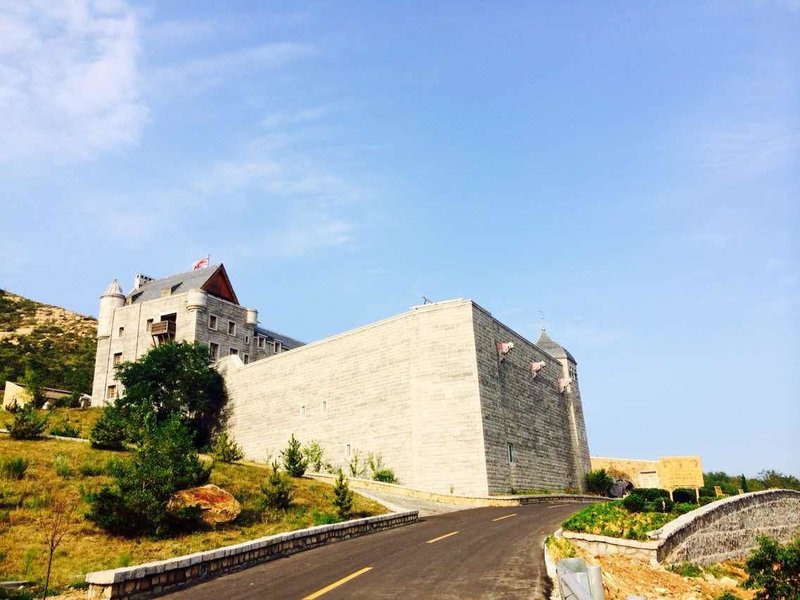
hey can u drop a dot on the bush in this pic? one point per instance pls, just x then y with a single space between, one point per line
727 596
226 449
684 495
662 505
314 455
683 507
88 469
277 490
27 424
650 494
164 462
108 432
634 503
775 569
14 468
65 429
599 482
686 570
385 475
343 496
62 466
293 459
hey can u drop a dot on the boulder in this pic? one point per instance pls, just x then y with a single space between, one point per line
217 505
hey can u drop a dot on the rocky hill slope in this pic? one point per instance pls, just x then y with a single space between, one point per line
54 344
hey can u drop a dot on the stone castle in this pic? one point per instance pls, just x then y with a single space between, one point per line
453 400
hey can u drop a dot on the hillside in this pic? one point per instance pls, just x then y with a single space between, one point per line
56 344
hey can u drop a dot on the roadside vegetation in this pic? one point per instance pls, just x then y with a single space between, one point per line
79 507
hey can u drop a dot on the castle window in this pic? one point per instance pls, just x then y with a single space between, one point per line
510 452
347 451
261 341
231 328
247 339
149 324
324 408
212 322
213 350
117 359
277 346
246 358
120 332
233 352
111 391
303 410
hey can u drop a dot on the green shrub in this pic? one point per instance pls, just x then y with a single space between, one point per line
660 505
324 518
650 494
599 482
27 424
683 507
293 459
88 469
14 468
385 475
775 569
62 466
276 490
65 429
226 449
343 496
684 495
686 570
164 462
634 503
727 596
314 455
108 432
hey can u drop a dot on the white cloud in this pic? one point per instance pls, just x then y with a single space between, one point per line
749 149
69 79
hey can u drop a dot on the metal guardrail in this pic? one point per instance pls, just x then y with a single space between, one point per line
579 581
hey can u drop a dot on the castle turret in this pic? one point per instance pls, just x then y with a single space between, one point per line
252 317
110 300
568 384
197 299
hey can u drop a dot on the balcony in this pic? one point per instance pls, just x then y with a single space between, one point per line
163 329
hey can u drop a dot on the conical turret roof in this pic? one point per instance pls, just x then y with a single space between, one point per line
553 348
113 289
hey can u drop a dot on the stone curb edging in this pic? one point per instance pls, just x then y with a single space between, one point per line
605 545
466 501
154 578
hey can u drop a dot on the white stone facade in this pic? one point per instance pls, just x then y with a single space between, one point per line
453 400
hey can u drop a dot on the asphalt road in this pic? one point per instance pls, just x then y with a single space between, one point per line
478 553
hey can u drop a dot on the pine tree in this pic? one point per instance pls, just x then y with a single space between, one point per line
293 459
343 496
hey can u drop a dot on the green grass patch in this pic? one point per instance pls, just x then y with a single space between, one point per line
611 519
64 468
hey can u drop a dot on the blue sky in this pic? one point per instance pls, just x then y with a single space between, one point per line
628 170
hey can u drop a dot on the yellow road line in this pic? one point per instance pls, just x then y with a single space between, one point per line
506 517
336 584
441 537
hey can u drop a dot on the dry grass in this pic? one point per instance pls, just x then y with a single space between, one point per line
24 505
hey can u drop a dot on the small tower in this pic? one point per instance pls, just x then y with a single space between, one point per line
568 385
110 300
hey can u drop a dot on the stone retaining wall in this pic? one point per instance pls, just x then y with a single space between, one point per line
728 528
155 578
458 500
604 545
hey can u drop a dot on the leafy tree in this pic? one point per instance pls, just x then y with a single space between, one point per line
743 483
599 482
293 459
771 478
34 386
226 449
108 431
343 496
28 424
775 569
314 455
277 489
172 379
165 462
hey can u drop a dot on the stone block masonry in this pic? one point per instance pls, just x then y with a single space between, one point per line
153 579
425 389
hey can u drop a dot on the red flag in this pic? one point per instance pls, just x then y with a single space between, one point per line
200 264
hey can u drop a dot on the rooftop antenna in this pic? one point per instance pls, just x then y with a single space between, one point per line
426 300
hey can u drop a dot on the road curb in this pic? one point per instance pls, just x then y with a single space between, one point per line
160 577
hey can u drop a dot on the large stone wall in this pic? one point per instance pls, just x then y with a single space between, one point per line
549 445
406 387
728 528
